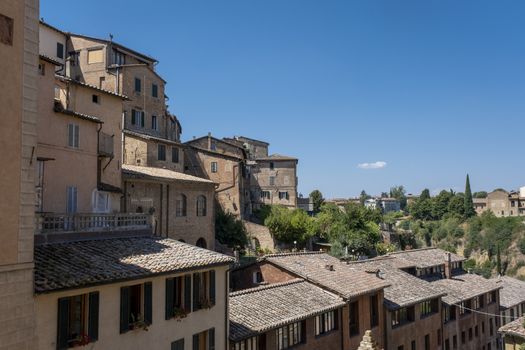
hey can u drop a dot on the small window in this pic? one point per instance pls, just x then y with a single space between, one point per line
60 50
204 340
213 167
137 118
41 69
154 90
161 152
178 344
272 180
272 166
257 277
174 154
180 206
95 56
290 335
428 307
135 307
154 122
73 135
73 58
118 58
354 318
6 30
326 322
374 311
78 318
284 195
213 146
413 345
427 342
247 344
201 205
178 297
71 204
203 290
265 194
138 85
95 98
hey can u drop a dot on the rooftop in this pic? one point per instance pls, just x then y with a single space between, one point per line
93 87
512 292
404 289
426 257
257 310
58 108
464 286
144 136
144 172
330 272
85 263
514 328
276 157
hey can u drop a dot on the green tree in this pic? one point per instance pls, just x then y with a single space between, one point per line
384 195
363 197
468 203
317 199
399 193
480 194
425 194
229 230
288 225
440 204
421 209
456 206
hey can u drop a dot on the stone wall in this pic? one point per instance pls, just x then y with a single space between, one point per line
261 234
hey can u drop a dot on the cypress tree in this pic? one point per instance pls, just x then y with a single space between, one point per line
469 204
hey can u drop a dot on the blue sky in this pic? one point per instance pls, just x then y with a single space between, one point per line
432 89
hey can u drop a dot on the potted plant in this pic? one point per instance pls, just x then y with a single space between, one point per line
179 313
80 340
137 322
205 303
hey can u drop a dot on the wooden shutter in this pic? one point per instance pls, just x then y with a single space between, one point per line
76 127
142 119
195 342
212 287
148 303
196 291
70 135
124 309
211 339
63 323
133 117
170 293
178 345
187 293
93 316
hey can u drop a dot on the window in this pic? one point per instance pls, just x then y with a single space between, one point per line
154 122
326 322
154 90
413 345
119 58
204 340
428 307
178 297
439 337
71 205
95 99
272 180
138 85
101 202
284 195
449 312
400 347
476 331
272 166
77 320
289 335
178 344
174 154
455 341
60 50
161 152
6 30
180 206
483 327
213 146
203 290
402 316
73 135
464 307
427 342
257 277
247 344
447 344
374 311
137 118
213 167
491 327
201 243
201 205
463 338
354 318
73 58
135 307
42 69
265 194
101 81
470 334
477 302
95 56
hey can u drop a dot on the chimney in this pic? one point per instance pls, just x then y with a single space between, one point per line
448 266
329 267
209 140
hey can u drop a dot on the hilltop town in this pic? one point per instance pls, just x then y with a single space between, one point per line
119 233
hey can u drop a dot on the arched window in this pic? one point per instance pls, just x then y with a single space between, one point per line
181 240
180 205
201 206
201 242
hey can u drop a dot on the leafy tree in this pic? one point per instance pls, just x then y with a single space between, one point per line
468 203
456 205
229 230
480 194
317 199
262 213
288 225
399 193
425 194
363 197
440 204
384 195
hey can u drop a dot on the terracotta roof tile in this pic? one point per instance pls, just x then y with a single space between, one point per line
426 257
134 171
464 286
514 328
512 292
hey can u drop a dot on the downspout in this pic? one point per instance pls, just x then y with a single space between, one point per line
167 209
341 328
227 309
99 171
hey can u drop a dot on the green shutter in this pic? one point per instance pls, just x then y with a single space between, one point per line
124 309
63 323
133 117
178 345
212 287
211 339
195 342
187 293
148 303
93 316
170 291
196 292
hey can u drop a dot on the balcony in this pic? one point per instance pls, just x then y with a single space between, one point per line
105 145
54 224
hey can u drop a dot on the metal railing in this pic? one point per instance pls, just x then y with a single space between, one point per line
90 222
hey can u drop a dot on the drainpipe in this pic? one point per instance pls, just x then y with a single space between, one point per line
226 309
98 159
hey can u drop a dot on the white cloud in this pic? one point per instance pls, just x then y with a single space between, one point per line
375 165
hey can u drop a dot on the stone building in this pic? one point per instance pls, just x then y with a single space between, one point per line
512 298
502 203
224 163
514 334
314 322
18 69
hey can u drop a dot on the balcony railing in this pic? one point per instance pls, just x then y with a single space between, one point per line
105 145
64 223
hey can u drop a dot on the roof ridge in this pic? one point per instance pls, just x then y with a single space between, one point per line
276 255
270 286
412 250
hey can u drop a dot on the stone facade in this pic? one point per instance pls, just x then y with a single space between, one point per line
19 54
501 203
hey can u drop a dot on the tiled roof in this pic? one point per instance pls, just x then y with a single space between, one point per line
60 109
404 289
84 263
149 137
426 257
276 157
512 292
50 60
94 87
257 310
330 272
514 328
464 286
140 172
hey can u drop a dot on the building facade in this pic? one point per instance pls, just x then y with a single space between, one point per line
502 203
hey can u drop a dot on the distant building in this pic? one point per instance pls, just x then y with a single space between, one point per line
305 204
512 298
502 203
389 204
371 203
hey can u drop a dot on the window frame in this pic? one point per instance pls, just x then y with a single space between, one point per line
293 331
161 152
201 206
325 323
